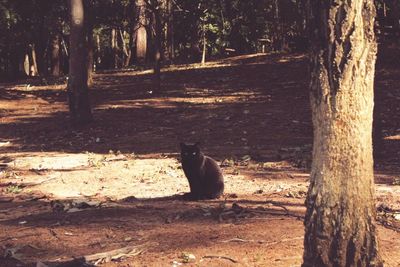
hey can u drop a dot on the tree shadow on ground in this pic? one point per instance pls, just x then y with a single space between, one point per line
233 110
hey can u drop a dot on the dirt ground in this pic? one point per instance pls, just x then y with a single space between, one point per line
116 184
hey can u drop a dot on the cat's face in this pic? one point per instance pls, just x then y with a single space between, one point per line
190 152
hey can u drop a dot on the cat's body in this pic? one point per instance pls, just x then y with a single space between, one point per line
203 173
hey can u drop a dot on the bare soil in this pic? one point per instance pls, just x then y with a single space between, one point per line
117 183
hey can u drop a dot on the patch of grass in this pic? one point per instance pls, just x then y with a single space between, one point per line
14 189
9 175
93 161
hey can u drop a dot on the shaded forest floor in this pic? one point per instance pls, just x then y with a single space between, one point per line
66 192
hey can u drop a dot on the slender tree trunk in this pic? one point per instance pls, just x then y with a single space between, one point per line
12 67
125 50
23 60
204 50
98 52
155 7
55 56
78 95
132 33
384 9
277 29
170 31
157 50
32 59
302 17
133 25
90 56
203 56
141 35
132 44
396 17
223 26
89 20
114 47
129 55
340 218
26 64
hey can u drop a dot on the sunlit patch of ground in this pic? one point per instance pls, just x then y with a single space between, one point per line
117 176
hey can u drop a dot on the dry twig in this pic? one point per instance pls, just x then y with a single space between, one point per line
220 257
115 254
387 225
261 241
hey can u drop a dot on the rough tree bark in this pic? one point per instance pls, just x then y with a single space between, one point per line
78 95
340 218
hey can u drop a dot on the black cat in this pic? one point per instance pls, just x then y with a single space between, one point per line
203 173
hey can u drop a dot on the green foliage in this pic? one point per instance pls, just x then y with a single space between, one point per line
14 189
239 26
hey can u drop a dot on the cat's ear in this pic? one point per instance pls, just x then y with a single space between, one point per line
197 144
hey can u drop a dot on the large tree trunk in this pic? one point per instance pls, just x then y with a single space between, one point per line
78 95
340 217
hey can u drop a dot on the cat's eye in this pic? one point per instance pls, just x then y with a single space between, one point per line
194 153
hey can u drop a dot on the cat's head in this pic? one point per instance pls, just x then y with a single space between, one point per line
190 151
